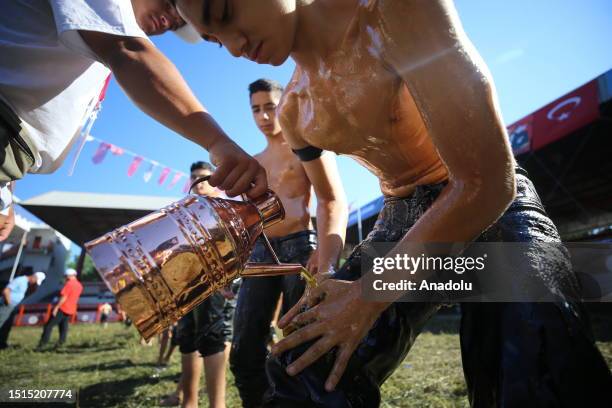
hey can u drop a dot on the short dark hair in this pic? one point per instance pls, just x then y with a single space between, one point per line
265 85
28 271
202 165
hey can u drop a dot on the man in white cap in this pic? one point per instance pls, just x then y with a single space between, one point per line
63 311
12 295
56 56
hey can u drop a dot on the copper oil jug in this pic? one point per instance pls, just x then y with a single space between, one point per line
163 265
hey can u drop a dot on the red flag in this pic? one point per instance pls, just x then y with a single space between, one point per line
104 88
177 176
163 176
565 115
134 166
100 154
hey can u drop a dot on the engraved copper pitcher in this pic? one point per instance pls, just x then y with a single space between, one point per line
163 265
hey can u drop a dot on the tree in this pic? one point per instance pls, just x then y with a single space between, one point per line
89 272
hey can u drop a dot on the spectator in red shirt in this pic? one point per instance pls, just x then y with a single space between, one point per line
65 308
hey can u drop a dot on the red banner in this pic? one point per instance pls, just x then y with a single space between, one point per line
565 115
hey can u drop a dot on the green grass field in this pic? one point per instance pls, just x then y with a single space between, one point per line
111 369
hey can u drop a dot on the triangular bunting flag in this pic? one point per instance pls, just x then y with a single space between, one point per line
187 186
177 176
149 173
163 175
100 153
134 166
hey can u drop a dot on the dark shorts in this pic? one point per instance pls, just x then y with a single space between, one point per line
206 328
174 336
513 354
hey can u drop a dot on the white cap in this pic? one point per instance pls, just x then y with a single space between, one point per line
40 277
188 34
70 272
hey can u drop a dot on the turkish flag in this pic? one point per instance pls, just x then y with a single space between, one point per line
565 115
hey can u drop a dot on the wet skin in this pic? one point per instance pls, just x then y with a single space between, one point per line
399 87
387 134
286 175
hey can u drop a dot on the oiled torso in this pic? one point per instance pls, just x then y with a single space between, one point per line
287 178
352 103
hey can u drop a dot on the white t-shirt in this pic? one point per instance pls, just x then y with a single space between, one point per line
48 75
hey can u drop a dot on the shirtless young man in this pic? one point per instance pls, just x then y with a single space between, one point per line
398 86
293 240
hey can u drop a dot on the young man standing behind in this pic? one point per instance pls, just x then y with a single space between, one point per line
203 335
65 308
292 239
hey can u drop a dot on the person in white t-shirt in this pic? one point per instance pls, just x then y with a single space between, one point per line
56 55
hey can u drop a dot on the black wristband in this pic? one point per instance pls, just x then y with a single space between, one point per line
308 153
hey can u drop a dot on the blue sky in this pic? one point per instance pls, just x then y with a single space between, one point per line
536 50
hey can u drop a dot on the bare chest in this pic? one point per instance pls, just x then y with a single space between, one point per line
286 176
352 100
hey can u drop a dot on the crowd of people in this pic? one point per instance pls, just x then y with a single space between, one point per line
397 86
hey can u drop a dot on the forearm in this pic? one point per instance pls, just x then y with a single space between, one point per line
60 302
332 216
7 296
156 86
459 215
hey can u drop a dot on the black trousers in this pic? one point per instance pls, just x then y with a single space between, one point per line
257 300
513 354
60 319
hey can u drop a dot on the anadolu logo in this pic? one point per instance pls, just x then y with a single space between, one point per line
564 109
519 138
